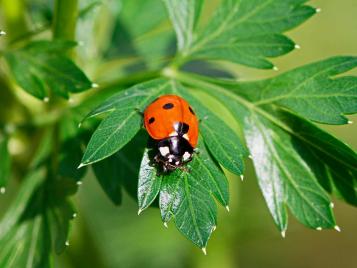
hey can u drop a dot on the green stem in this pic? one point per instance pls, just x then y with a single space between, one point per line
199 81
132 79
65 19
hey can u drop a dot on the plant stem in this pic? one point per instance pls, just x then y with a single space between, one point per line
132 79
65 19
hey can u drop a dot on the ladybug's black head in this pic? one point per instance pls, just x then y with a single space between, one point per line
173 152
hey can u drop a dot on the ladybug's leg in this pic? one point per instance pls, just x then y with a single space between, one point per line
139 112
184 169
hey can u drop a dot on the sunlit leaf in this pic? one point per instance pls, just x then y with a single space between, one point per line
312 90
245 31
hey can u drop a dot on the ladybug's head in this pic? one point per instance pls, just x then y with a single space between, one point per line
173 152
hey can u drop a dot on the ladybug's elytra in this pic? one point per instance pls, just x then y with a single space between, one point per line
171 121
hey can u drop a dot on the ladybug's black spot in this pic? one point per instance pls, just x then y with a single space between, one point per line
181 128
168 106
151 120
192 112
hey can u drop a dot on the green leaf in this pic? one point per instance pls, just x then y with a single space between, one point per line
42 66
18 206
309 90
124 121
5 164
24 234
332 161
245 31
227 149
37 222
122 169
284 177
184 15
27 246
149 182
187 200
187 197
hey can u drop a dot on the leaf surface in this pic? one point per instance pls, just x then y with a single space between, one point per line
244 31
311 91
42 66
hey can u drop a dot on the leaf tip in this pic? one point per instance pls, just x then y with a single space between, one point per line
46 99
2 190
337 228
250 156
204 251
227 208
165 224
318 10
79 183
283 233
2 33
319 228
139 212
242 177
95 85
275 68
81 165
297 46
214 227
349 122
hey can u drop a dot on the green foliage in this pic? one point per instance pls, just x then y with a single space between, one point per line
5 164
244 32
297 164
42 66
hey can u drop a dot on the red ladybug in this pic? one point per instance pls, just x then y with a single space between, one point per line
171 121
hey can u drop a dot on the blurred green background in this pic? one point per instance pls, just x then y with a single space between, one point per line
107 236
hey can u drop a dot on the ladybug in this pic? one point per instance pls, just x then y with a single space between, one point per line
172 123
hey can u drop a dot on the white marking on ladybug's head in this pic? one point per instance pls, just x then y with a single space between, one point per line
170 160
177 163
186 156
185 136
173 133
164 150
